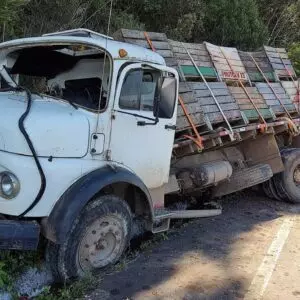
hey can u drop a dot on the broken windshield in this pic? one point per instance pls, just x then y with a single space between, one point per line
74 73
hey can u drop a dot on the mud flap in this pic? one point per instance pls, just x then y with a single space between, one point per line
19 235
243 179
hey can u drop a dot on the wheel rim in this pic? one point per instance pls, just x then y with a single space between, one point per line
296 175
101 243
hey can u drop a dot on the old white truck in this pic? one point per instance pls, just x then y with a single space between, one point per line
88 148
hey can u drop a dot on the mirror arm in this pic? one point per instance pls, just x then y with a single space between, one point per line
143 123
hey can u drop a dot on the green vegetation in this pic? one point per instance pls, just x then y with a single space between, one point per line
244 24
76 290
294 54
13 263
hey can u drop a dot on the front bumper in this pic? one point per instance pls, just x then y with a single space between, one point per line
19 235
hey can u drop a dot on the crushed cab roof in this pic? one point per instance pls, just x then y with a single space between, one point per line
86 37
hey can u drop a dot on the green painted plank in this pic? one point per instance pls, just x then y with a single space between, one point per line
191 71
251 114
258 77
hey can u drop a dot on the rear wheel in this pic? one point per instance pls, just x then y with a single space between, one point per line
289 180
97 239
266 189
286 185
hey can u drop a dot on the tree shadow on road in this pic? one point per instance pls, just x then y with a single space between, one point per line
196 256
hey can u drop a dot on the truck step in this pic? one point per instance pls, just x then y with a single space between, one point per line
162 213
243 179
189 214
163 216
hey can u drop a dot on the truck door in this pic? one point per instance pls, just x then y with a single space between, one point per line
144 119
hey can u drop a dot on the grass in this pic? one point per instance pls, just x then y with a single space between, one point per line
76 290
156 239
13 263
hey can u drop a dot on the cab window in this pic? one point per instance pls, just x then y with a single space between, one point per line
139 90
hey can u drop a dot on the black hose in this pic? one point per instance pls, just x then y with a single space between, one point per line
29 142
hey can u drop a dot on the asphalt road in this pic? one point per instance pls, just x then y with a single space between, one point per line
251 251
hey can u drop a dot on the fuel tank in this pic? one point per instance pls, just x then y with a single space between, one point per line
55 128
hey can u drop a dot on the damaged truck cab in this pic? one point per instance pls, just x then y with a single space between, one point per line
88 151
86 129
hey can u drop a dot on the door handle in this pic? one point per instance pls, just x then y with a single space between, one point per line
172 127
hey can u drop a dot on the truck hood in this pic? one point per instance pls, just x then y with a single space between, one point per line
55 128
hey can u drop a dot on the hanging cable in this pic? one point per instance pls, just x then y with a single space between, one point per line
32 149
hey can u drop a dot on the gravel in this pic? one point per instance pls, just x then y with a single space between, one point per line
31 283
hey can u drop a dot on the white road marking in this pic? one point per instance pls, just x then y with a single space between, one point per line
265 270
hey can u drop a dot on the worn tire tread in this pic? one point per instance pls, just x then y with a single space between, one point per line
63 257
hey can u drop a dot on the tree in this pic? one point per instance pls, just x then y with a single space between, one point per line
232 23
9 10
282 19
41 16
177 18
244 24
294 54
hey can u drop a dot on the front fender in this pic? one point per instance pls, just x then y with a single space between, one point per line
59 223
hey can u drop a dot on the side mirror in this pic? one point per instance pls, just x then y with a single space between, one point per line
167 98
164 100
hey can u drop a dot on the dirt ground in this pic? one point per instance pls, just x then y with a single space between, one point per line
251 251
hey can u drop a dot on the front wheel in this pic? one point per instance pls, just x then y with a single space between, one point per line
97 239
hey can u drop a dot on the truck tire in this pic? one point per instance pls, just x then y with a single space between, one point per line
289 180
278 187
273 189
98 238
266 189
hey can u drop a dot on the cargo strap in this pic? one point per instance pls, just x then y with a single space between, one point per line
298 94
231 134
270 86
264 125
291 125
149 41
291 76
198 140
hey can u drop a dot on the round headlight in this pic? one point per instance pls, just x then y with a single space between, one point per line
9 185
